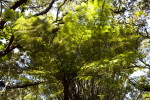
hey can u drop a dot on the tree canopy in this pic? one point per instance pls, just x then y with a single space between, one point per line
74 50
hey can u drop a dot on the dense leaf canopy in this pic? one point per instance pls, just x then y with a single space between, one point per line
74 50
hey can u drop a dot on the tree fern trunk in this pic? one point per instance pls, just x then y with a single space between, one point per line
66 91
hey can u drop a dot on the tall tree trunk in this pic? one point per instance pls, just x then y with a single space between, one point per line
66 91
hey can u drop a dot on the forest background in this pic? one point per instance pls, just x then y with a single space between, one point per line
74 49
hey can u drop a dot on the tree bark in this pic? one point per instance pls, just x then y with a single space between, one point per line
66 91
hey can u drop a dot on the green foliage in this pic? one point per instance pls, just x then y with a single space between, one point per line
87 43
91 51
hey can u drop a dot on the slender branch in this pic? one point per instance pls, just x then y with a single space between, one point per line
60 19
47 9
147 33
136 66
59 9
131 67
9 47
24 85
144 62
118 11
10 43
